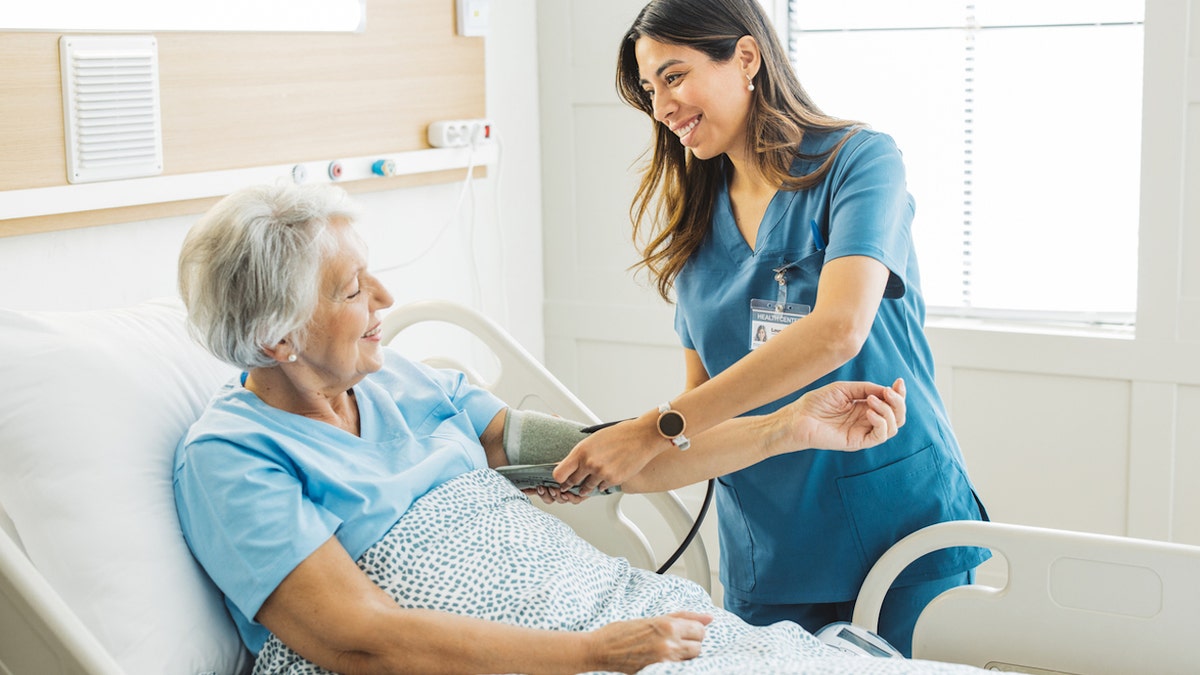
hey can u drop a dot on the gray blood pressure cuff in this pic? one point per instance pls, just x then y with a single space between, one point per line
531 437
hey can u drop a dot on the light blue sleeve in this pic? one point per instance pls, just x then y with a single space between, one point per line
871 211
478 403
246 519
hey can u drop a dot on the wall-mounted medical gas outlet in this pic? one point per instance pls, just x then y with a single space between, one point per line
459 133
472 17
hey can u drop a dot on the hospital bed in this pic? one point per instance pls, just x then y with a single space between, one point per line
95 578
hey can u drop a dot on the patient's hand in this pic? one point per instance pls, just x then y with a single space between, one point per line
629 646
551 495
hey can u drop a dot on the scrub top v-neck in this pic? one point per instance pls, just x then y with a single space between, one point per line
777 208
805 527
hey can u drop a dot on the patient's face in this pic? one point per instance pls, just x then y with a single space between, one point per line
343 343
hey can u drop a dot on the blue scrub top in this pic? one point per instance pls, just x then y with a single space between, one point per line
806 527
259 489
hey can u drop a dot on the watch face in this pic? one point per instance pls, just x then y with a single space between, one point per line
670 424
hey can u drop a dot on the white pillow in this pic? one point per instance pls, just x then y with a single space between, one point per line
91 407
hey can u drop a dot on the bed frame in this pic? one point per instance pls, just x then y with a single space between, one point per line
39 634
1073 603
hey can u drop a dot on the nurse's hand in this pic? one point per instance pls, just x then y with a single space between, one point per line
612 455
844 416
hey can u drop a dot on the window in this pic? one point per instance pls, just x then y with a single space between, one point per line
1020 124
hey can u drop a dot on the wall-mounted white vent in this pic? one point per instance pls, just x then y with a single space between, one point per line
110 106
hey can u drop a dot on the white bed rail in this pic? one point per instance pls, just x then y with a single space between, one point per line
525 384
39 633
1074 602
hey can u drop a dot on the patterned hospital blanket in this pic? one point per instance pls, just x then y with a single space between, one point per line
477 546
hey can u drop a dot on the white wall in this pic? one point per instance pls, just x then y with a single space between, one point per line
1072 431
117 265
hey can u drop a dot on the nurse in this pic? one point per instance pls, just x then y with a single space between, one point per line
758 210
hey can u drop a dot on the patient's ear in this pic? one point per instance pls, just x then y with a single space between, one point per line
281 351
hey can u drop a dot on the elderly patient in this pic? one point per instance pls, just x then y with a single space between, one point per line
343 497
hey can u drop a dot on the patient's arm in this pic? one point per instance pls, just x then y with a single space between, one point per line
838 416
331 613
492 440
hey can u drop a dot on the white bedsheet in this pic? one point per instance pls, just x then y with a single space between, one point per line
477 546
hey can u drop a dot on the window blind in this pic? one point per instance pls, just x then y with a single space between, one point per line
1020 123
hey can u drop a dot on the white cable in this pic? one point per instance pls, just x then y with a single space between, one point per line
467 181
468 189
496 222
469 239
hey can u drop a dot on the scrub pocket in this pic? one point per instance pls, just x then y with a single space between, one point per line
734 536
891 502
802 275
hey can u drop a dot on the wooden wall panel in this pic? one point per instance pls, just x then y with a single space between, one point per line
238 100
32 150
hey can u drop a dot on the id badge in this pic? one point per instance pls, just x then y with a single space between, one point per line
768 318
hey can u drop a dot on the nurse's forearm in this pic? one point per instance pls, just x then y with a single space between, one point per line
733 445
788 362
845 416
843 315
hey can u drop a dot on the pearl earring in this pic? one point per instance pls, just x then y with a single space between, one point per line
291 358
749 84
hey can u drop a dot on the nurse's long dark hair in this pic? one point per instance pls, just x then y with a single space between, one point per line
673 206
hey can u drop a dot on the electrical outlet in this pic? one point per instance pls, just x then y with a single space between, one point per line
459 133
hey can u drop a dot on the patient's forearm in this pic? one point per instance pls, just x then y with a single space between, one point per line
330 612
429 642
439 642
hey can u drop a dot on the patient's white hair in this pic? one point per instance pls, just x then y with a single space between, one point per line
250 268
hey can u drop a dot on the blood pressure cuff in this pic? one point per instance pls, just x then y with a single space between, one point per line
531 437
